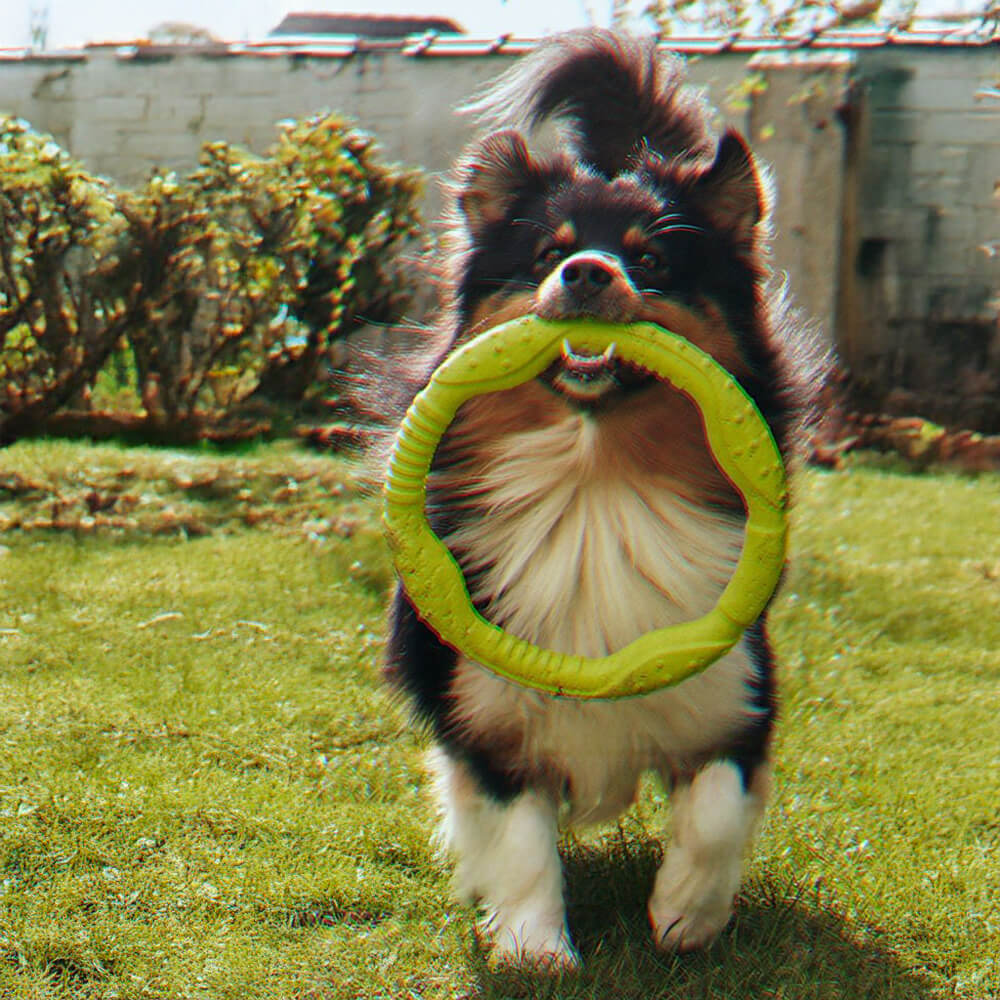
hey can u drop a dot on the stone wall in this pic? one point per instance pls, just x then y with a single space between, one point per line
884 161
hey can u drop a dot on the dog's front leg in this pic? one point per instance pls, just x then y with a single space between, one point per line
715 818
507 860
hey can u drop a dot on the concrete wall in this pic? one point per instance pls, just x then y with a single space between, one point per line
920 284
884 161
123 116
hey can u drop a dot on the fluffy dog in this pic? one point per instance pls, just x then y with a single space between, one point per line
584 506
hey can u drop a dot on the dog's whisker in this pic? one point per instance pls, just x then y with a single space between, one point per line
512 283
535 224
676 228
662 220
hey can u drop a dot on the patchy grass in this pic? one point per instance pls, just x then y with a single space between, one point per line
206 793
57 485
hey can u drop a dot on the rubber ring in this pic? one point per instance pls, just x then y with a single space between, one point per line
738 436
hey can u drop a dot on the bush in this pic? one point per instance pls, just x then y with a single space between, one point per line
207 315
344 264
63 306
252 267
232 283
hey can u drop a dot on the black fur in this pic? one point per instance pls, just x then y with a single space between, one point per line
749 750
620 95
423 666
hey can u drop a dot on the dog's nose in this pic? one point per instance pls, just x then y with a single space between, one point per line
588 272
589 283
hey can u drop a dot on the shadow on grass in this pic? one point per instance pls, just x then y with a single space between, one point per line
779 945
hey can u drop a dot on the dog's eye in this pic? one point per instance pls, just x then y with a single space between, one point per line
550 256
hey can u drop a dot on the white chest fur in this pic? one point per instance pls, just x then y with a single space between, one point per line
573 550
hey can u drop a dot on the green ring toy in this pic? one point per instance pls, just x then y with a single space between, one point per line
743 447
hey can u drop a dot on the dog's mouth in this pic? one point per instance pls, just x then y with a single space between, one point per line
587 379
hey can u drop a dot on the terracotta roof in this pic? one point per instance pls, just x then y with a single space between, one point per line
429 43
364 25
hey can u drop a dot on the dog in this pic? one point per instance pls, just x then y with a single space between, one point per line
584 506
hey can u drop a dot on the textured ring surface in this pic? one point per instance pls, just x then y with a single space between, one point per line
739 438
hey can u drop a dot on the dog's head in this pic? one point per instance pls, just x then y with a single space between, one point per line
674 242
640 214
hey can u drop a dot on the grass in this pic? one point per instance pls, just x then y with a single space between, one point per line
205 791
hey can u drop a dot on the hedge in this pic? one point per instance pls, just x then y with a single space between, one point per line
226 287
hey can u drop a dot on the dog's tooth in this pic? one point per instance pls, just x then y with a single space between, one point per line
609 351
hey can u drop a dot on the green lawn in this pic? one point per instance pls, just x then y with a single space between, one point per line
205 792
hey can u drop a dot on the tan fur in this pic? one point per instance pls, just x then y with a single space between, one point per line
705 328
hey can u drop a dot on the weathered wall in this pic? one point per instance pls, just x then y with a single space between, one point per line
799 107
124 115
884 161
919 317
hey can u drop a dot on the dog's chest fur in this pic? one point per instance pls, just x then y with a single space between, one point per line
573 548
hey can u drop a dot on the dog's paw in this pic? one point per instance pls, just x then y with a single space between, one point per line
691 904
527 940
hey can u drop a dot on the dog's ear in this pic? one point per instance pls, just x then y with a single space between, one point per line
492 176
730 192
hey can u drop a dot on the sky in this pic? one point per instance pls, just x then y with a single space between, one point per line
76 22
